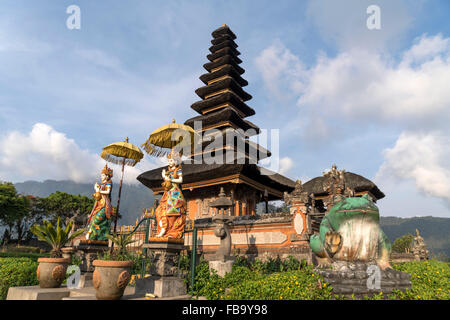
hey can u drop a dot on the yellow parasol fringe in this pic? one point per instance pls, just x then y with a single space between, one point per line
120 152
167 137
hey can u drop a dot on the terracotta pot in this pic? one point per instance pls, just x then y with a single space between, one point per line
110 278
51 272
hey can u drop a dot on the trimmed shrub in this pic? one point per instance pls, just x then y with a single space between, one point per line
16 272
430 280
290 285
270 280
32 256
289 279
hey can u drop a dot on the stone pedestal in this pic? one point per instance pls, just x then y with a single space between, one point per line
360 279
164 282
162 287
221 267
67 253
222 261
88 251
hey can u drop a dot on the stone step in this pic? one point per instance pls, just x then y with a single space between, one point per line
37 293
89 291
133 297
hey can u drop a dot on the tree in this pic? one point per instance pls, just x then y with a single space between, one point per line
403 244
64 205
14 208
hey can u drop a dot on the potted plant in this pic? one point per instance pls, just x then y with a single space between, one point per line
52 271
112 272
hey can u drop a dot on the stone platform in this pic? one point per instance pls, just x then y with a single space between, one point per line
64 293
359 279
37 293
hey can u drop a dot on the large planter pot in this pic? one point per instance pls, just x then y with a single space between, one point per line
110 278
51 272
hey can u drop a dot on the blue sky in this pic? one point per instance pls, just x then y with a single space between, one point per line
375 102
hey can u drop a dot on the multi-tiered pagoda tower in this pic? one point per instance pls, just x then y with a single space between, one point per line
223 106
225 157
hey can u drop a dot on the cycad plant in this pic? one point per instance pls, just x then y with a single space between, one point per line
56 237
120 241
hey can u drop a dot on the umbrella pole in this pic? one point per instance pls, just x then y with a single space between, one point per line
118 198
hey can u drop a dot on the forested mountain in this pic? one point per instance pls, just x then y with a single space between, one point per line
435 231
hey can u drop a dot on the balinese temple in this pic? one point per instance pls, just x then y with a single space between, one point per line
224 109
233 158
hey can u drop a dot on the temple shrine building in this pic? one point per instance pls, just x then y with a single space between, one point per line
223 110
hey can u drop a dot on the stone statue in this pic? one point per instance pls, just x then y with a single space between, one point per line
100 217
351 232
171 211
79 220
334 185
419 248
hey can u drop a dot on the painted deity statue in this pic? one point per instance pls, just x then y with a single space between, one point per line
171 211
100 217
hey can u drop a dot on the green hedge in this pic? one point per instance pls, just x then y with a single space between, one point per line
271 280
32 256
274 280
16 272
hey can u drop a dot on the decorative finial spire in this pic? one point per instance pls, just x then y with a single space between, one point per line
126 140
173 120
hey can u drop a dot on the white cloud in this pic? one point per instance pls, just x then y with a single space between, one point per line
422 157
281 70
359 90
358 85
363 84
286 164
45 153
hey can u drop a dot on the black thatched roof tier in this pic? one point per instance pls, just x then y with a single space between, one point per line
222 116
198 172
240 146
225 44
225 51
227 83
239 138
221 39
353 180
225 60
221 99
229 156
223 30
227 70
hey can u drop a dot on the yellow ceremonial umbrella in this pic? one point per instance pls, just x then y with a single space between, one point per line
123 153
164 139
